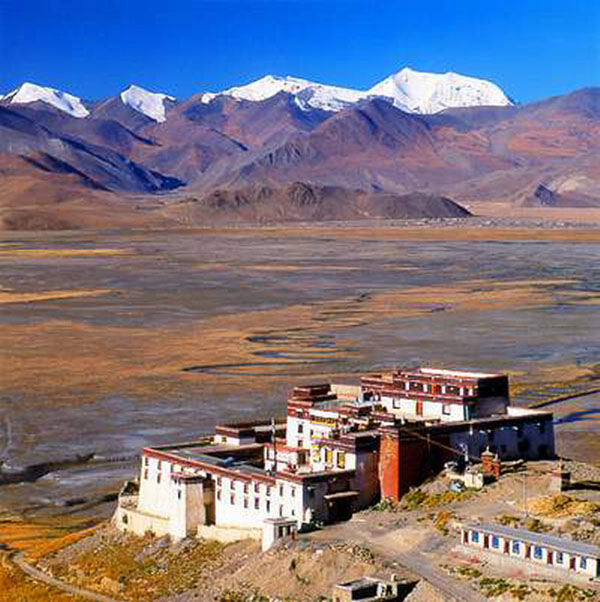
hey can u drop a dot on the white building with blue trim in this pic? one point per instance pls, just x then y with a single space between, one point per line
556 554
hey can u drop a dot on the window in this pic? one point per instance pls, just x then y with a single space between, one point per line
328 456
341 460
125 519
268 492
446 408
300 442
256 487
300 428
146 473
219 494
582 562
475 536
256 503
538 552
146 461
246 487
158 478
560 558
245 502
280 510
280 490
268 506
516 547
293 512
293 491
179 494
232 499
159 464
495 541
219 481
223 439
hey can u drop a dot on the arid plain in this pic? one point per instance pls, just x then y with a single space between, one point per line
113 341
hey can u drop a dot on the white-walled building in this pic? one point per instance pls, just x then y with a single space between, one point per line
548 553
339 449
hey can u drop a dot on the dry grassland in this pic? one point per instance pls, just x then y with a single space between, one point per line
430 233
36 539
20 253
87 359
14 297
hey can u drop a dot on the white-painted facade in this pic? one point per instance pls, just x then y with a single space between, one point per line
560 555
326 466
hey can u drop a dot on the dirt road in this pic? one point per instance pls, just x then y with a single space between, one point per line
30 570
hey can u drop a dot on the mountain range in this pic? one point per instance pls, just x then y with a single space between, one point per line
405 147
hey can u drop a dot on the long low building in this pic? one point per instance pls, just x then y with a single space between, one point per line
340 448
540 551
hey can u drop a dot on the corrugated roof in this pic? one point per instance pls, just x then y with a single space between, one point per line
558 543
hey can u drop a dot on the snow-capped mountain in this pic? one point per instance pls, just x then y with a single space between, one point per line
409 90
308 94
418 92
151 104
28 92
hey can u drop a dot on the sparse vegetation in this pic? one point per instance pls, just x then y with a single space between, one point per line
135 568
562 505
536 525
418 499
509 521
441 520
469 572
572 593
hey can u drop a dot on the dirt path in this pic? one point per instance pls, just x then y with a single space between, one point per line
382 541
420 565
30 570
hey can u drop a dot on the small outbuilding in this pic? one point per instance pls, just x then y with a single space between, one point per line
373 589
556 554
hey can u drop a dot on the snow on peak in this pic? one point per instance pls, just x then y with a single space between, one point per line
419 92
409 90
62 101
308 94
151 104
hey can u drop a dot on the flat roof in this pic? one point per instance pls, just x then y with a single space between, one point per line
458 373
564 545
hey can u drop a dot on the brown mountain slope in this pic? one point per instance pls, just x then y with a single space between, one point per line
471 154
102 132
304 202
253 124
542 154
21 135
35 198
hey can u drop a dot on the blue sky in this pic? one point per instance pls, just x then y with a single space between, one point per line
532 49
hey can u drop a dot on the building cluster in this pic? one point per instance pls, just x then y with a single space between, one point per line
340 448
